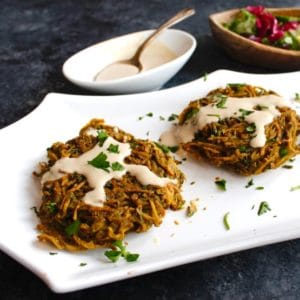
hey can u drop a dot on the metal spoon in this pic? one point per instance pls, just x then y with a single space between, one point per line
134 64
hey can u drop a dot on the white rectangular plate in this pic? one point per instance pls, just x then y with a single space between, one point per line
59 117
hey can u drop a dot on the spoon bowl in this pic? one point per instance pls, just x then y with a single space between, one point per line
81 68
250 52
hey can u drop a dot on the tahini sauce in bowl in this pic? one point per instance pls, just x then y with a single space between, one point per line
156 54
161 61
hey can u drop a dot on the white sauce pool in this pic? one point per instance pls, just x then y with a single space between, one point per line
96 177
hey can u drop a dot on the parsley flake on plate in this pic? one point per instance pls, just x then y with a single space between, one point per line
82 264
295 188
259 188
226 221
114 255
287 167
34 208
221 184
172 117
249 183
263 208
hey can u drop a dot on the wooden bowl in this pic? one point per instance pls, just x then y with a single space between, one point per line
250 52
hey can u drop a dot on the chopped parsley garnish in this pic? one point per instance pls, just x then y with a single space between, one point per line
271 140
100 162
263 208
191 113
167 149
72 228
259 188
249 183
245 112
131 257
251 128
172 117
236 85
114 255
283 151
226 222
221 184
102 136
53 253
205 76
52 207
34 208
244 149
193 182
297 97
287 167
82 264
149 114
161 118
214 115
113 148
295 188
221 103
261 107
116 166
173 149
163 147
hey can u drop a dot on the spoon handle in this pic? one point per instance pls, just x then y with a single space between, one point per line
180 16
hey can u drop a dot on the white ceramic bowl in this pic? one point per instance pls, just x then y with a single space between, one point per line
82 67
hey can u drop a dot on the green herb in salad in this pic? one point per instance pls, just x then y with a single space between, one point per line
258 24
